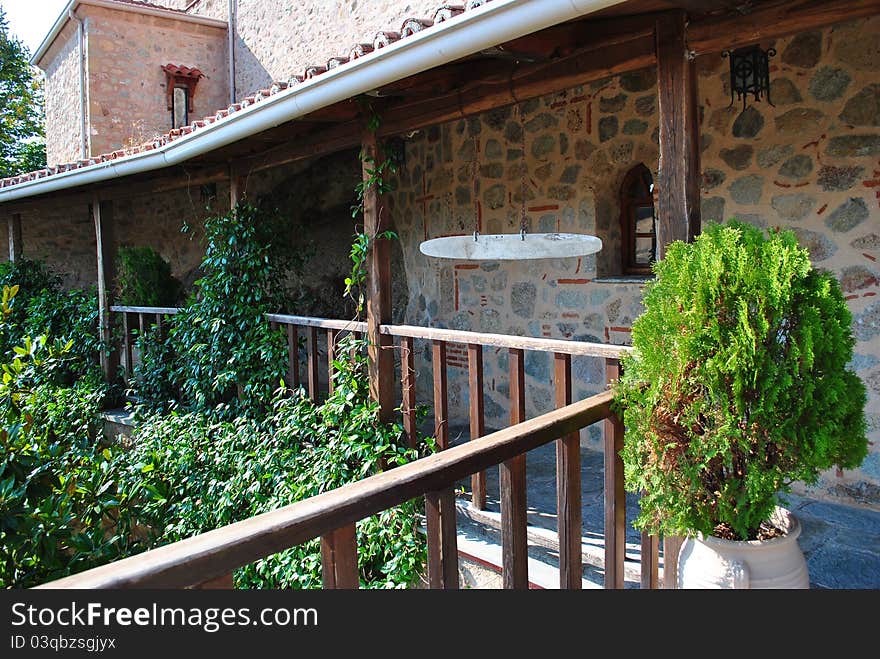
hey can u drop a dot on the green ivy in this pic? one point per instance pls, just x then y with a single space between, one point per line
738 385
144 279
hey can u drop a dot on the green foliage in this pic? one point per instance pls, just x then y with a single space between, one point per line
738 385
59 508
195 473
144 279
22 143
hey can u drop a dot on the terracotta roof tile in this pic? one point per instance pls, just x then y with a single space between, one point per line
382 39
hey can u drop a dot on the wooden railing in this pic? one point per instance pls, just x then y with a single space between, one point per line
440 502
208 557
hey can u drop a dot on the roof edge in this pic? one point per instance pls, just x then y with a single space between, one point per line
72 5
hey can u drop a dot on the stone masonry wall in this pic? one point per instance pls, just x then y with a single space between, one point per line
64 128
127 87
265 47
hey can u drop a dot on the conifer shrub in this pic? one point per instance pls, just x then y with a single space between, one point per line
144 279
738 385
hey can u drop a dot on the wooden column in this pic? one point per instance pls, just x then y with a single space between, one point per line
678 207
615 496
15 245
237 185
678 185
102 213
569 516
380 353
339 560
512 477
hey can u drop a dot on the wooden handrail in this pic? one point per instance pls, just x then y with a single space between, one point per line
322 323
580 348
168 311
216 553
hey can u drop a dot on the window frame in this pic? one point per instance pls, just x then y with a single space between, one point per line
639 174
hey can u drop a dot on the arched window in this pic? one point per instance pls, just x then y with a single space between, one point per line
638 222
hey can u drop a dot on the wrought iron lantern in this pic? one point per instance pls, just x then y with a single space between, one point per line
749 73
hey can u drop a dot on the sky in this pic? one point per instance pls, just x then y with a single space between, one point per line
31 20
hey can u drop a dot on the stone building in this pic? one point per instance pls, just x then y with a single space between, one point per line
580 158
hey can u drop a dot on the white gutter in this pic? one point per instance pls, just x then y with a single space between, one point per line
119 6
81 45
470 32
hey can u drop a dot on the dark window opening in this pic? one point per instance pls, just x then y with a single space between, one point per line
180 107
638 221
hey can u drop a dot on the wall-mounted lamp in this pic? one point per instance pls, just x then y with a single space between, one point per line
749 73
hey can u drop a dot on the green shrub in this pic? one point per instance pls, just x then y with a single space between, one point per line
194 473
144 279
738 384
33 280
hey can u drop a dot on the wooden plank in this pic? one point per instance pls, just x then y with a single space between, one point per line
222 550
126 345
568 486
477 418
678 183
314 362
320 323
332 336
166 311
224 582
441 398
615 496
650 561
671 547
292 357
380 351
442 541
772 22
514 545
580 348
339 563
15 243
435 543
408 383
105 240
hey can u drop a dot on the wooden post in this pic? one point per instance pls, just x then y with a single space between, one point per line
671 547
380 352
102 214
615 496
477 418
292 357
332 336
650 558
568 486
237 186
408 384
15 245
314 362
339 562
678 207
514 545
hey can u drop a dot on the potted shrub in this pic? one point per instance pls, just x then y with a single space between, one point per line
737 388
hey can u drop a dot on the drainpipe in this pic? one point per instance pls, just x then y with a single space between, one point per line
83 124
230 32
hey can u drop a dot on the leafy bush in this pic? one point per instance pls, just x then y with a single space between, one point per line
195 473
144 279
59 508
33 280
738 384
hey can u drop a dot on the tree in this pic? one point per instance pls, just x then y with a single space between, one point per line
22 136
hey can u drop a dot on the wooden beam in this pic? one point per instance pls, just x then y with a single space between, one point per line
698 7
715 34
102 214
380 347
678 184
15 244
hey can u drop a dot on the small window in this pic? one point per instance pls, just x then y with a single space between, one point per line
638 222
180 107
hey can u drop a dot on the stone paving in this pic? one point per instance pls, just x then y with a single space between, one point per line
841 543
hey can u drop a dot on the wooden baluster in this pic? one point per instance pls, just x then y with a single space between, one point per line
515 566
339 560
292 357
332 336
440 506
671 547
568 485
141 323
408 383
650 561
477 418
126 345
615 497
313 362
159 335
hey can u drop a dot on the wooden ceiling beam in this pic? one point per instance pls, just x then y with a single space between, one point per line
715 34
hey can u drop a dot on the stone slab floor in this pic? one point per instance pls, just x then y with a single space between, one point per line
841 543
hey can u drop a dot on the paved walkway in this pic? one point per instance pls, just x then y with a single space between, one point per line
841 543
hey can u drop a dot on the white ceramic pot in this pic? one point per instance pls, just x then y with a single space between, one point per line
708 562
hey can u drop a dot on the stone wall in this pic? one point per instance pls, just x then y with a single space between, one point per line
63 124
127 87
265 51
